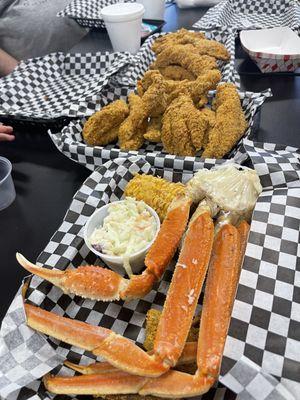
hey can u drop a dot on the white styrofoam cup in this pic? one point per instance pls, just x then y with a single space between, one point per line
123 22
154 9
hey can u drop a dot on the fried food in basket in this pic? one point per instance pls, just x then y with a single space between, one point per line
198 89
102 127
153 133
185 57
155 98
152 320
182 36
132 130
230 124
158 193
177 73
183 127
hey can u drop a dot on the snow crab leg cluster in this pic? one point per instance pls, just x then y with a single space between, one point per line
218 249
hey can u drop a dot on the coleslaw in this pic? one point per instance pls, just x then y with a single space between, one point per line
127 229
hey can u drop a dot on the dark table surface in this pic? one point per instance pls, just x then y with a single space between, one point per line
46 180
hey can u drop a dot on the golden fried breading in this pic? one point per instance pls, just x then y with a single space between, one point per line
202 46
182 36
186 58
230 122
183 127
152 320
210 117
154 98
197 89
158 193
153 133
132 130
176 73
146 81
100 129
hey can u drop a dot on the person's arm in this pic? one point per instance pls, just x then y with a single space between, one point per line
6 133
7 63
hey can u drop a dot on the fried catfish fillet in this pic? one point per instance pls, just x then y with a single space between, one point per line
230 124
132 130
102 127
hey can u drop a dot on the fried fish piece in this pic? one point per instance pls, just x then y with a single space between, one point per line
102 127
176 73
198 89
154 98
202 46
183 127
132 130
153 133
230 122
182 36
186 57
210 117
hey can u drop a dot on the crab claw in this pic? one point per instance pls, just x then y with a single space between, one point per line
102 284
86 281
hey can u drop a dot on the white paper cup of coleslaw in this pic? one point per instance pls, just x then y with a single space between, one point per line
116 263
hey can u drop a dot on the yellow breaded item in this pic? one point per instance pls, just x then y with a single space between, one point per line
152 320
102 127
158 193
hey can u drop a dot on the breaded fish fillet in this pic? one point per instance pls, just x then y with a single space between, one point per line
230 122
183 127
102 127
132 130
153 133
186 57
182 36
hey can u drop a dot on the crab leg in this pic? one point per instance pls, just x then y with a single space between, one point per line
215 317
99 283
185 288
188 356
80 334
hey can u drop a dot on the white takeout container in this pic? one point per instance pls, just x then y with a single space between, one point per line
273 50
154 9
123 22
136 260
7 188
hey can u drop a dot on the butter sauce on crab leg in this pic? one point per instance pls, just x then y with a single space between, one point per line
221 284
99 283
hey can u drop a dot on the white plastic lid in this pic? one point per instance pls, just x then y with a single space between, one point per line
122 12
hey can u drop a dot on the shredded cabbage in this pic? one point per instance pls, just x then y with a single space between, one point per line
128 228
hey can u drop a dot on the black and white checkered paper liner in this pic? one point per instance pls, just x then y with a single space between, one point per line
88 12
262 350
277 165
145 57
251 14
58 84
70 142
21 347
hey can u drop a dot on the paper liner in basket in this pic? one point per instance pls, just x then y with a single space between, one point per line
58 85
70 142
265 321
251 14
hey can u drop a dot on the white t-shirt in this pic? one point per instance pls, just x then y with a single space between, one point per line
30 28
